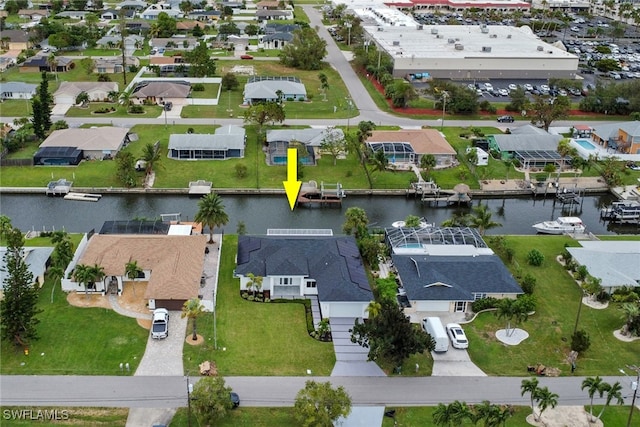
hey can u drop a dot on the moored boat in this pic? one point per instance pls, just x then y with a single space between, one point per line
564 224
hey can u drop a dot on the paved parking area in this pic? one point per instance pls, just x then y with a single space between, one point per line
164 357
351 358
454 363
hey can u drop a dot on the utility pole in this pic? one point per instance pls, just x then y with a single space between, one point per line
445 95
634 387
189 390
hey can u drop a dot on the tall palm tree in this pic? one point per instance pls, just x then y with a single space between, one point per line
506 309
481 219
151 155
442 416
52 61
428 162
211 213
593 385
55 273
529 386
191 310
96 273
613 392
379 161
545 399
373 309
132 270
460 412
631 311
82 275
254 282
324 84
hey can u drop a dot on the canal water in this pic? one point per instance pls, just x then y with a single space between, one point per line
517 215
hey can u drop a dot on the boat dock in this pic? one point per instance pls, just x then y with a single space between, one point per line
431 193
59 187
200 187
83 197
622 212
328 195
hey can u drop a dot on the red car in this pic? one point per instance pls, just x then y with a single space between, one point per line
246 57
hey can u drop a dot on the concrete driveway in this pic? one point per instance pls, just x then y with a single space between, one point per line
351 358
454 363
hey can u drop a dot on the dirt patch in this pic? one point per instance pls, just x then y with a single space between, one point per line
145 323
199 340
86 301
132 297
564 416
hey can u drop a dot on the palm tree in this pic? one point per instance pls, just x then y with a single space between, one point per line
55 273
151 155
529 386
254 281
613 392
82 275
593 386
428 162
356 222
545 399
481 219
630 312
96 273
191 310
82 99
373 309
113 95
211 213
52 61
565 149
442 416
379 161
460 412
132 271
324 84
506 309
458 219
59 236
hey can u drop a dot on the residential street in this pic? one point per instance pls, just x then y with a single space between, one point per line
166 392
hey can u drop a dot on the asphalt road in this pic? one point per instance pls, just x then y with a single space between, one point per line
167 392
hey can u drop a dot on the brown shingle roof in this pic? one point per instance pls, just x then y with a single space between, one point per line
176 262
423 141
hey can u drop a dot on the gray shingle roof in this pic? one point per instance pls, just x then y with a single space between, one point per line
35 257
453 278
610 130
333 262
18 87
527 142
266 89
310 137
615 263
225 138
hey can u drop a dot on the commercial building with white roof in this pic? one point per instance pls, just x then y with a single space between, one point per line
471 52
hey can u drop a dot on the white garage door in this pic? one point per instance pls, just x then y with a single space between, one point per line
64 100
432 306
344 309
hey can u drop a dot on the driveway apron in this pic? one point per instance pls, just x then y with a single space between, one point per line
351 358
454 363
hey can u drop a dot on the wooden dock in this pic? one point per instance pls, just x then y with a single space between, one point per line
83 197
328 195
200 187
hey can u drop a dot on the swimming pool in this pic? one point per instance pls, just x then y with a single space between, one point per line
411 246
585 144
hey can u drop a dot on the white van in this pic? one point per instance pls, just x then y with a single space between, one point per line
433 326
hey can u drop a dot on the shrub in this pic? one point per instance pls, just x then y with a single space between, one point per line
244 294
527 302
484 304
625 294
104 77
580 341
198 87
136 109
535 258
566 256
241 170
581 272
267 300
528 284
251 298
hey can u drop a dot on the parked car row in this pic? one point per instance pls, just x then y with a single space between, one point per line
441 336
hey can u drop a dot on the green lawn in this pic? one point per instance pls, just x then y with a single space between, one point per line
150 111
68 417
256 338
78 74
210 91
243 417
80 341
551 326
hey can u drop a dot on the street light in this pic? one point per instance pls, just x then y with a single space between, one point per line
445 95
348 25
634 387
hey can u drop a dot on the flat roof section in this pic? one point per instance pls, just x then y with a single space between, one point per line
464 42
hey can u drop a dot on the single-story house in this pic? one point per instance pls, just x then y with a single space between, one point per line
205 15
275 27
188 26
159 91
528 144
624 137
17 39
174 43
137 27
74 14
268 4
172 266
132 4
167 64
582 131
36 258
228 142
17 90
33 14
97 91
410 145
276 41
95 143
614 263
40 63
278 141
329 268
111 42
267 14
152 13
264 88
114 65
110 14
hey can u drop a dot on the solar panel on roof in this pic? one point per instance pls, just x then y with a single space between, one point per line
246 246
348 249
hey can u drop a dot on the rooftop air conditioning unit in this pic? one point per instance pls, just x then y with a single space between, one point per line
493 36
484 30
508 36
434 31
486 48
439 36
380 28
396 42
459 46
451 41
540 48
420 27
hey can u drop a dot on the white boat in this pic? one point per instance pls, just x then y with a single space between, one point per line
403 224
83 197
564 224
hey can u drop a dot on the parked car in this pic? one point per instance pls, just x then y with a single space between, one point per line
633 166
457 336
168 106
528 87
246 57
235 399
506 119
160 325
